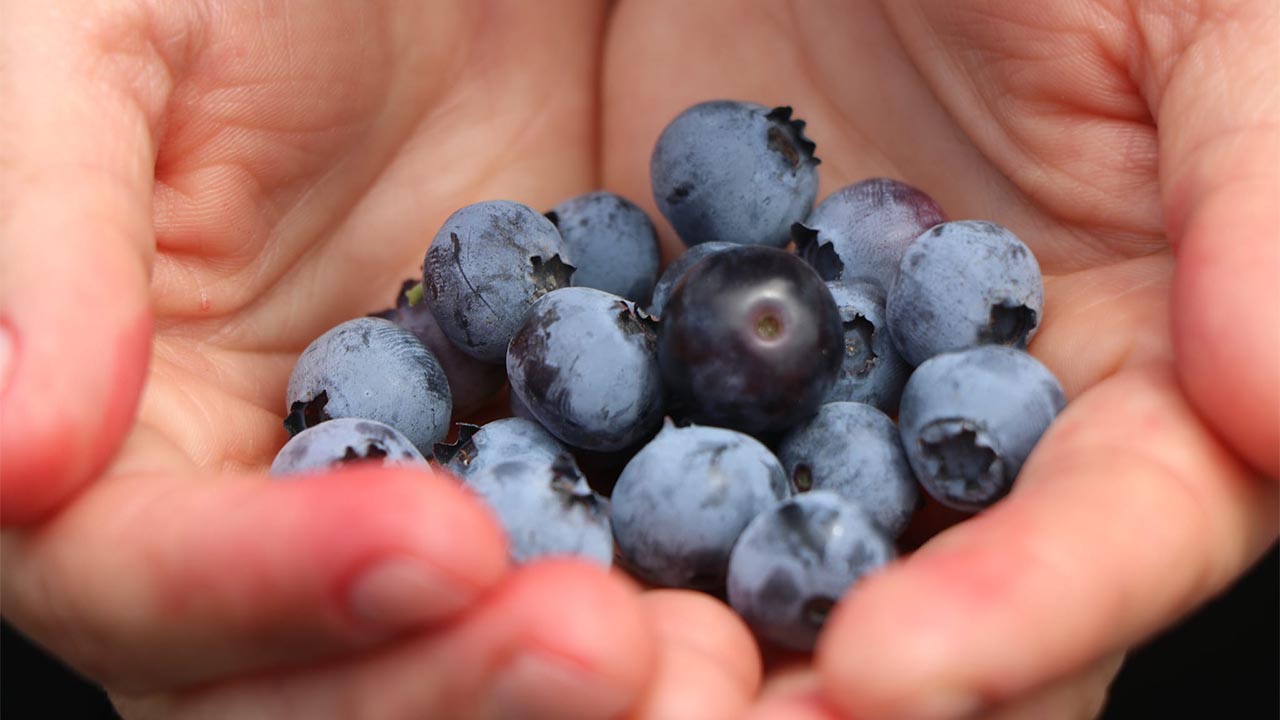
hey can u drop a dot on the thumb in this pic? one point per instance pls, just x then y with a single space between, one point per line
80 104
1218 108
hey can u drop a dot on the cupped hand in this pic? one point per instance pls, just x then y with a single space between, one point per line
1134 146
193 192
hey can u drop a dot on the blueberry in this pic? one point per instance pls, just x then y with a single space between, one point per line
373 369
345 440
860 231
795 561
546 509
872 371
727 171
677 268
600 467
583 362
472 383
502 440
751 340
487 265
963 284
969 420
612 242
855 451
684 498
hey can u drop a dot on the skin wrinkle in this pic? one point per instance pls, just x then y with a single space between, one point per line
523 131
245 363
805 60
258 272
897 23
1185 181
150 57
1031 174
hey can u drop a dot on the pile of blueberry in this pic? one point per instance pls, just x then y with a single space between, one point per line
740 404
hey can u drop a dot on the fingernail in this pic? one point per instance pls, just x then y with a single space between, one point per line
948 705
402 591
6 354
535 686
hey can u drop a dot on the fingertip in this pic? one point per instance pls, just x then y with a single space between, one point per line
399 529
706 625
1226 323
261 573
690 684
885 649
794 707
577 611
579 645
66 404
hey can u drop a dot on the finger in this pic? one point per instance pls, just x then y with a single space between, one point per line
1081 695
794 693
708 664
1127 515
807 706
1219 116
81 104
557 640
706 625
797 696
152 581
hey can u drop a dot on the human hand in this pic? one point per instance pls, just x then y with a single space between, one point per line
197 190
1161 319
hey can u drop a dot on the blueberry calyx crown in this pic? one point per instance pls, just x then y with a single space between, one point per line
550 274
861 329
786 137
568 482
464 448
635 320
374 450
304 414
960 456
821 256
1011 322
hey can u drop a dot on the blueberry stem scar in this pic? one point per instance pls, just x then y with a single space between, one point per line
414 294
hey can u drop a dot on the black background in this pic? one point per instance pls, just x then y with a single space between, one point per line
1222 662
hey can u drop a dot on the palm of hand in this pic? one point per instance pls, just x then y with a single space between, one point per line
308 158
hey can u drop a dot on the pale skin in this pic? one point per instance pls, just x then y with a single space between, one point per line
194 191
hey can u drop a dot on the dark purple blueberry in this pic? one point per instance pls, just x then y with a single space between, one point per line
473 383
860 231
969 420
373 369
795 561
583 362
502 440
677 268
963 284
751 340
547 509
487 265
612 242
854 450
345 440
728 171
872 371
681 502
